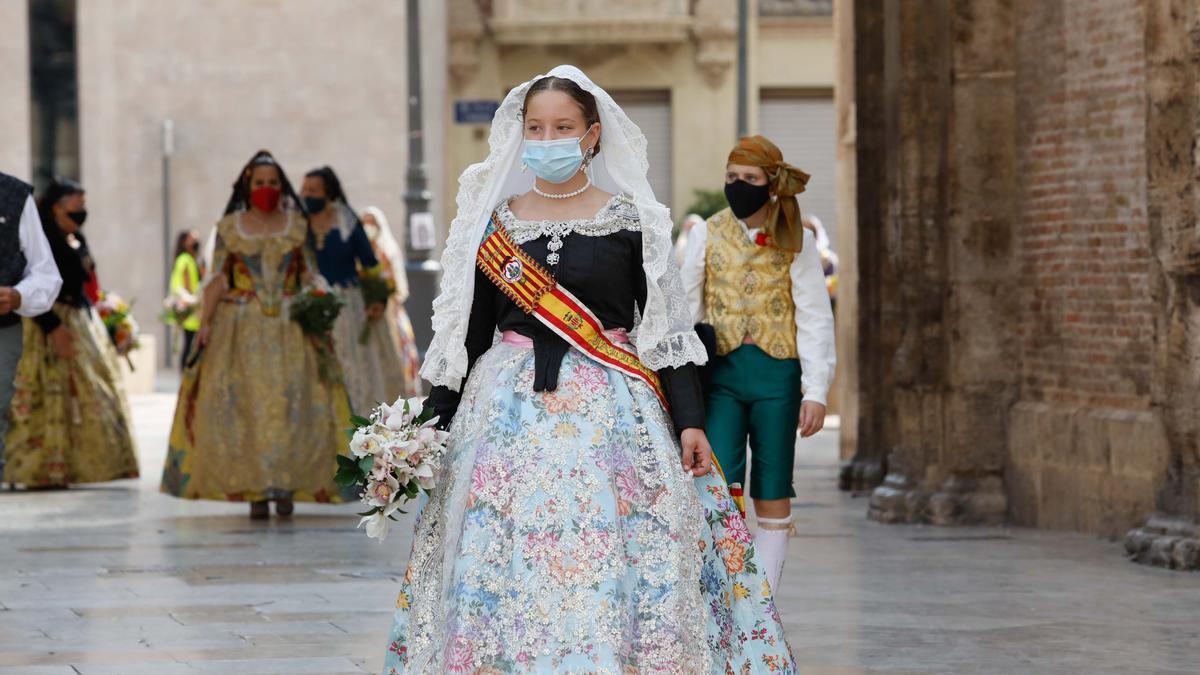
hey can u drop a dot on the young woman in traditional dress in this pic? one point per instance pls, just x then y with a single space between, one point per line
70 420
577 525
391 256
258 418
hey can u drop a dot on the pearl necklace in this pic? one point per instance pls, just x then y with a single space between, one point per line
563 195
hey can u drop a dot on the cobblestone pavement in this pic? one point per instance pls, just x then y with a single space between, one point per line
116 578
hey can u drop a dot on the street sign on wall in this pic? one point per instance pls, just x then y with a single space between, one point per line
475 112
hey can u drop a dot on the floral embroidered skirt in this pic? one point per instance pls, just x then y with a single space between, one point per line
565 536
70 421
374 368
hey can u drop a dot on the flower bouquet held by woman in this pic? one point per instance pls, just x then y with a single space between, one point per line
395 457
370 359
122 328
317 310
377 287
576 524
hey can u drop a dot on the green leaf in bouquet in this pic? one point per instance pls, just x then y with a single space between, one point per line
347 477
392 515
359 421
365 464
427 413
372 512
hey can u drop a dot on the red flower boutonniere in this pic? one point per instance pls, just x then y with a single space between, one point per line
762 239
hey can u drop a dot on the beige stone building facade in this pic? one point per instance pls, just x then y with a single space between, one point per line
315 82
672 64
324 82
14 106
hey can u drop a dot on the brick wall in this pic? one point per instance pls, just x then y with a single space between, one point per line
1086 324
1086 451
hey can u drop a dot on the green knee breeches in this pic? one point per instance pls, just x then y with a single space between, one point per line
755 398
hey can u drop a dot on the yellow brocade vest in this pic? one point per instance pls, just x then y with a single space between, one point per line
748 290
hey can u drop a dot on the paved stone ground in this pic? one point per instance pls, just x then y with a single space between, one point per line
117 578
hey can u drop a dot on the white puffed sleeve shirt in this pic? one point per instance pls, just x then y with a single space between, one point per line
41 282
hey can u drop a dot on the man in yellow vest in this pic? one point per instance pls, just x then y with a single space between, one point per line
753 272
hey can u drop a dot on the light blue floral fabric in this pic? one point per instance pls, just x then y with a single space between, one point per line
565 536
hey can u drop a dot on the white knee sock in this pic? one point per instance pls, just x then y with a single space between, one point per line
770 543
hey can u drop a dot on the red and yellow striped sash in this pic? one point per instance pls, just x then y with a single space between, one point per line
535 291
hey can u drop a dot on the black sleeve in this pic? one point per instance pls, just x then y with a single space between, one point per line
481 329
48 321
681 385
685 396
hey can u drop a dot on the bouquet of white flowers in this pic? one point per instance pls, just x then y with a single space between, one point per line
396 454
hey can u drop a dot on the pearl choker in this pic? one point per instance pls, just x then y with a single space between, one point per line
563 195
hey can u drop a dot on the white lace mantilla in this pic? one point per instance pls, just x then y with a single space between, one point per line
665 337
619 214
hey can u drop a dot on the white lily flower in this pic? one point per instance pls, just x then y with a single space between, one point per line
402 450
393 416
425 476
377 525
415 405
383 493
365 443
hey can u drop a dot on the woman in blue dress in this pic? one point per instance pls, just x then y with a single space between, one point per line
364 341
576 525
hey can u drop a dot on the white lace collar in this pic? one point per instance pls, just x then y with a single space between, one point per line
618 214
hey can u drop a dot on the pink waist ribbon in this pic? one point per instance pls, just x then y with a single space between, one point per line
510 337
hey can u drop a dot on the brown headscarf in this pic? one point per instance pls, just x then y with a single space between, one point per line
786 181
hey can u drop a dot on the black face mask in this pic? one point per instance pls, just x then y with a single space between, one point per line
78 216
745 199
314 204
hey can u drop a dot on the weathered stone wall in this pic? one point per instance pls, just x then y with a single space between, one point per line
1086 449
939 298
1029 265
1171 537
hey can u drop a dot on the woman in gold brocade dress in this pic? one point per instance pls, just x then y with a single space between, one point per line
255 420
70 421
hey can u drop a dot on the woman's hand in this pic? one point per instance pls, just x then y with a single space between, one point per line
62 341
812 418
697 453
202 335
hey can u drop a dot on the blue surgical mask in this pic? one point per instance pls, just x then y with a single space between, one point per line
554 161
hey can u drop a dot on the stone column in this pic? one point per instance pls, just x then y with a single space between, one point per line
847 305
1171 537
862 341
14 106
945 261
